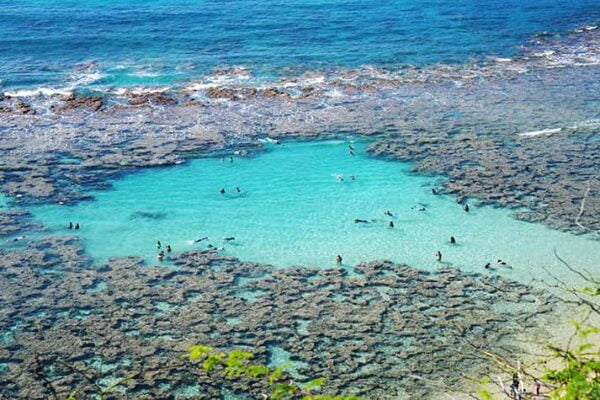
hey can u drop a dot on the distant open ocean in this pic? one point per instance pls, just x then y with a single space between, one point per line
50 46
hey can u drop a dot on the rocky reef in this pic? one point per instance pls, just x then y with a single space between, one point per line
550 179
377 329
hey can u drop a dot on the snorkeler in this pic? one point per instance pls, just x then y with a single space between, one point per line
452 240
391 224
438 256
339 259
199 240
168 248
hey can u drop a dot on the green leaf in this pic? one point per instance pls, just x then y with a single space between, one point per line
254 371
198 351
212 361
315 383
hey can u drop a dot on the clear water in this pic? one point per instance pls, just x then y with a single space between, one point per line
292 210
93 43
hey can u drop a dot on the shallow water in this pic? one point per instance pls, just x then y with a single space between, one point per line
292 210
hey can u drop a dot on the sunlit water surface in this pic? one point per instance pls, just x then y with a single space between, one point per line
293 209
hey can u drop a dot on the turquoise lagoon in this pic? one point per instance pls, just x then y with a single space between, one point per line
294 210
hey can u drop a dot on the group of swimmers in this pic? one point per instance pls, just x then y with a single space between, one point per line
71 226
161 254
237 190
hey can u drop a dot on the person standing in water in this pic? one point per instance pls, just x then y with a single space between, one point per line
452 240
391 224
466 208
222 191
158 244
168 248
70 225
339 259
438 256
77 225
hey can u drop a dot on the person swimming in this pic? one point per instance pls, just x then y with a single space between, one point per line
466 208
501 262
391 224
199 240
168 248
229 238
438 256
339 259
452 240
352 178
222 191
487 266
158 244
237 189
388 213
70 225
361 221
339 178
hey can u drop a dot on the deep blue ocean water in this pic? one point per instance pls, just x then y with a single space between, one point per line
49 43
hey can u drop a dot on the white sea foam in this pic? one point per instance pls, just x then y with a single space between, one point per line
547 132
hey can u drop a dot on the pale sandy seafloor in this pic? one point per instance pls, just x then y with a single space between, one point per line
375 328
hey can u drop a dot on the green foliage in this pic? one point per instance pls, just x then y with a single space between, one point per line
238 363
575 374
198 351
314 384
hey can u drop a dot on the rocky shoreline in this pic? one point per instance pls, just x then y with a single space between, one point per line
374 329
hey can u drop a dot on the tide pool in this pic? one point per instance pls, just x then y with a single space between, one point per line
293 209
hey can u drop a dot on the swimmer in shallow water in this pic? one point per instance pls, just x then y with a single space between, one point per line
438 256
158 244
391 224
388 213
222 191
339 259
168 248
339 178
351 147
487 266
361 221
352 178
237 189
70 225
229 238
466 208
433 191
77 225
201 239
452 240
161 256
